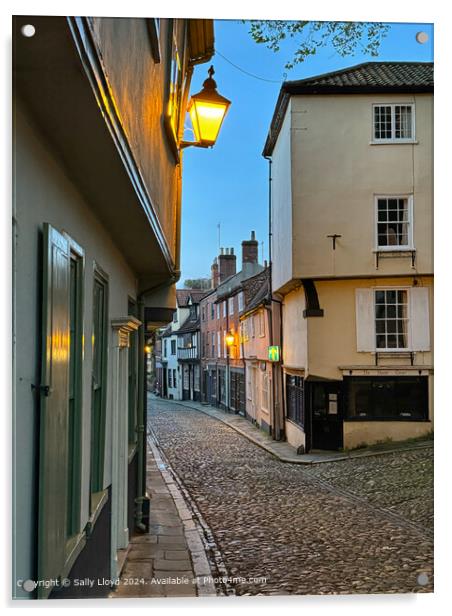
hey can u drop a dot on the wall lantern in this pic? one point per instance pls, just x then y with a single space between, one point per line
147 349
230 339
207 111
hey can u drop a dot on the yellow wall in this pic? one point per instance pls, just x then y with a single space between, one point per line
332 338
295 330
369 432
138 86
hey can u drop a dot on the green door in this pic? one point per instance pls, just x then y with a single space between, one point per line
53 444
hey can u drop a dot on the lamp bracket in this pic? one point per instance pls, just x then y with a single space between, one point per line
187 144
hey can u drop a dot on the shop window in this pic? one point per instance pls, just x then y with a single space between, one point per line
387 398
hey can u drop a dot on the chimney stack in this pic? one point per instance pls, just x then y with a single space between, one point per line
227 263
215 276
250 250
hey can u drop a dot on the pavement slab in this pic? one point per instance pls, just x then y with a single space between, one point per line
166 561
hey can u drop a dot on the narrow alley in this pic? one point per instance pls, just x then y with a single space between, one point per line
284 529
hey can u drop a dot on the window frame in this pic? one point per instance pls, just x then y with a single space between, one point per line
294 394
393 139
133 377
397 381
240 301
98 455
177 91
231 306
261 322
410 208
406 349
77 256
265 389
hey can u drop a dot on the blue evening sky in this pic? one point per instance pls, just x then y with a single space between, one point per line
228 183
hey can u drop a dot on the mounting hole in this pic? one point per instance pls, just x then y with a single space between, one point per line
422 579
422 37
28 30
29 585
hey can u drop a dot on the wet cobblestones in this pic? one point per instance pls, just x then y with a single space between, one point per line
276 520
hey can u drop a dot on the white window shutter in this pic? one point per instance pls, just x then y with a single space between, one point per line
365 320
420 322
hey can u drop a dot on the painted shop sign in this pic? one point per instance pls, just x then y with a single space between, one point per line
391 372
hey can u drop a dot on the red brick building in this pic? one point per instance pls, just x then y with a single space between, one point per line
223 366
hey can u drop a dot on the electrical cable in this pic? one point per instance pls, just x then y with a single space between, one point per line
247 73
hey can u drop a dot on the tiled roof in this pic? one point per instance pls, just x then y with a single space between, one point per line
257 290
190 325
372 74
183 295
370 77
196 296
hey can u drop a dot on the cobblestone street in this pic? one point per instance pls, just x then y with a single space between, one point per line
355 526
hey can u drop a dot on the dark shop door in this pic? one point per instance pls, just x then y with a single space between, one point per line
326 415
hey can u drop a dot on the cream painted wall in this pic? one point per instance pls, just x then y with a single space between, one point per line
257 345
295 328
43 192
282 205
294 434
335 175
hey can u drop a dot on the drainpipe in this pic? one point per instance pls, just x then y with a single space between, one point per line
275 428
227 392
142 405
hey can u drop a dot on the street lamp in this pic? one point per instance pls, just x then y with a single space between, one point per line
230 339
207 111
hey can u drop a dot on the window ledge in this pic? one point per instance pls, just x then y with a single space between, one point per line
394 352
98 500
295 423
132 450
394 250
401 419
395 142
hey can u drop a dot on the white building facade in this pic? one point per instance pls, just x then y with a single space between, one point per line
352 253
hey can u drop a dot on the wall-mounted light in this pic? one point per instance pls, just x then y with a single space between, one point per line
230 339
207 111
148 349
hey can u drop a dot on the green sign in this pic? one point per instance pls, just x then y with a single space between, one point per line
273 353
